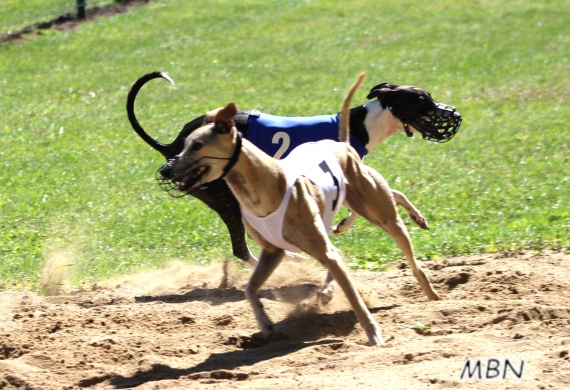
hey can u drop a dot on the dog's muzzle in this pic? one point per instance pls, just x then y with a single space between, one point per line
179 184
189 172
439 125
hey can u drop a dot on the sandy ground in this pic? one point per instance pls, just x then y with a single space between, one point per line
176 329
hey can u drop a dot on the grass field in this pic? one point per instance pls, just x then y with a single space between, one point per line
78 184
15 14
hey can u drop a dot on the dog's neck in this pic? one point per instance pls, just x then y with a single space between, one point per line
257 181
380 124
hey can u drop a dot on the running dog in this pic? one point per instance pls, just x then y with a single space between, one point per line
396 109
289 204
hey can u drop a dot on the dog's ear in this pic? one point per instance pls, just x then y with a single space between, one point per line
211 115
223 122
381 89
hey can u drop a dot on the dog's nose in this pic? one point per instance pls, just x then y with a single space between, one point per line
166 170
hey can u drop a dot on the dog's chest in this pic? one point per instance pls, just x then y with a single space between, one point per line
315 162
278 136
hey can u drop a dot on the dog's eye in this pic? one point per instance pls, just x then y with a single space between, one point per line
197 146
422 98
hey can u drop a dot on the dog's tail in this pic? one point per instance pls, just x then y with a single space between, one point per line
160 147
345 112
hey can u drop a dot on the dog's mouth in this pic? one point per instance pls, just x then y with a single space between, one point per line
183 181
191 178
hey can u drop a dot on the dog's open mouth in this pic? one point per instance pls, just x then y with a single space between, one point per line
190 177
183 181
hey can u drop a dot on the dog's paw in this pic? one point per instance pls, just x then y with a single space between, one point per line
433 296
340 227
266 327
325 296
374 335
420 221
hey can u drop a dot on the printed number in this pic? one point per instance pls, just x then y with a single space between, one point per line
284 146
325 167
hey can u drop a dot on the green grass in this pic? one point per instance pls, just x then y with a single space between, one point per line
15 14
74 175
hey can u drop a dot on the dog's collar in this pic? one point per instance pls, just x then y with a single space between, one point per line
405 123
233 159
407 129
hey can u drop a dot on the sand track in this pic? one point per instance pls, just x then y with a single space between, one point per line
175 329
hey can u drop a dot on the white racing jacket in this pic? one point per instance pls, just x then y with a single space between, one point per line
314 161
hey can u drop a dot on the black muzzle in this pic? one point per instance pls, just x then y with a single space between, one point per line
171 183
439 125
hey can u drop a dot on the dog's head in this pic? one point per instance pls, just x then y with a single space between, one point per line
209 153
415 107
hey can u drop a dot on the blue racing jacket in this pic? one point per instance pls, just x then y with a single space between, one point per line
278 136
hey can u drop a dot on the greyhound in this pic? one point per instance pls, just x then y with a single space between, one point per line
289 204
396 109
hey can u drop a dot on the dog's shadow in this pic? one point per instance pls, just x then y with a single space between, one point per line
302 328
215 365
296 332
303 323
218 296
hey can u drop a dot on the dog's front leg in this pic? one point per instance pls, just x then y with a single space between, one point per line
268 261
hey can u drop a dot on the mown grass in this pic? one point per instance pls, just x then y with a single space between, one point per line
74 175
15 14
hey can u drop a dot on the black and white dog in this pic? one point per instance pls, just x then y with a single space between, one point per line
395 109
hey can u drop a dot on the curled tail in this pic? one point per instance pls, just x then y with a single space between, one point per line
160 147
345 112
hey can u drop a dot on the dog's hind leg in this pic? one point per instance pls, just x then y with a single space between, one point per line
397 230
373 199
401 200
268 261
414 213
346 223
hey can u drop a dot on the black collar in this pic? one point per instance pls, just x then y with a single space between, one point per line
233 159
